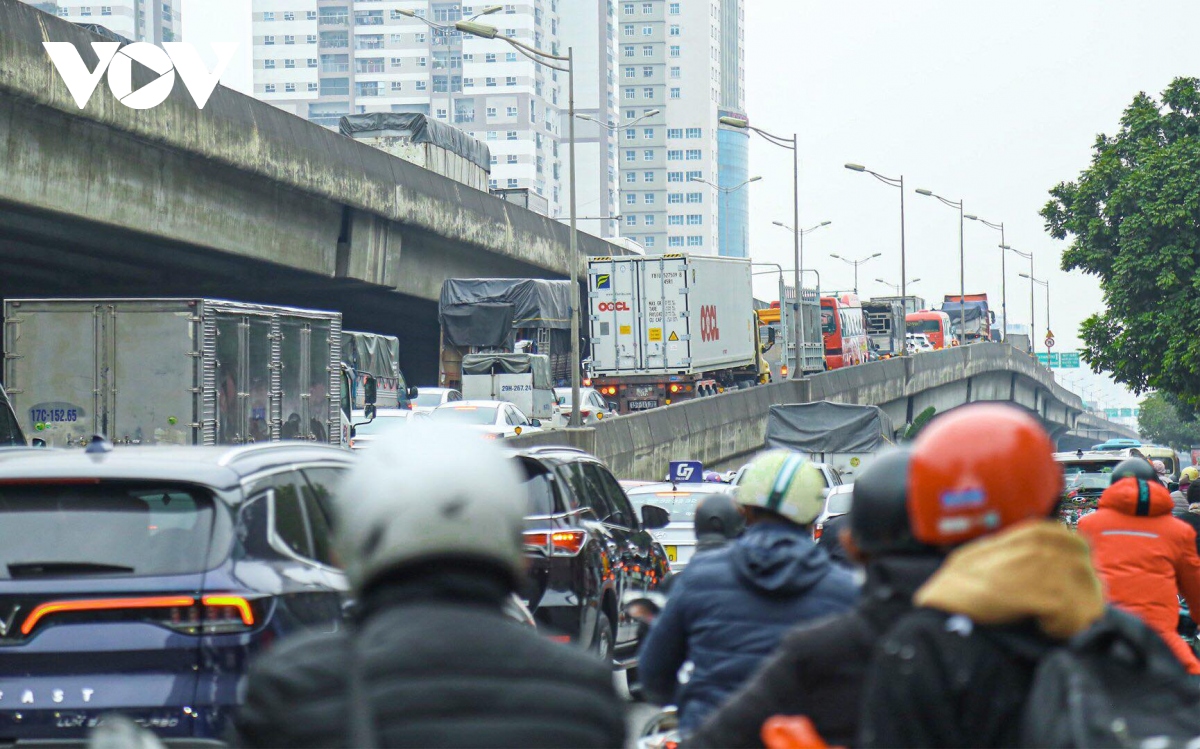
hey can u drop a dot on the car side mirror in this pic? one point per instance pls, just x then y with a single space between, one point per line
654 517
370 412
535 422
370 391
353 431
38 442
411 392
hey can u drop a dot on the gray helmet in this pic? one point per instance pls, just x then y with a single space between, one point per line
1139 468
429 492
718 514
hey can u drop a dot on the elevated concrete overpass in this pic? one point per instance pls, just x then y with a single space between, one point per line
730 427
240 200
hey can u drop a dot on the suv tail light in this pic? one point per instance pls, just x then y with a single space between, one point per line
214 614
818 531
558 543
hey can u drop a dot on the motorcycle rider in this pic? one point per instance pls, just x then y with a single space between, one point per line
429 526
718 521
956 670
819 668
732 606
1146 557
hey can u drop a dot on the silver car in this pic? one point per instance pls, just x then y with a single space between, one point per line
678 538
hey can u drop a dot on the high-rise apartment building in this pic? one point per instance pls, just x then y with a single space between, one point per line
322 59
154 21
678 57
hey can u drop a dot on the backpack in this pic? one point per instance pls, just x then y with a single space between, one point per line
1117 684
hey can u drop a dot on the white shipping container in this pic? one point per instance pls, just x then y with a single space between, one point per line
670 314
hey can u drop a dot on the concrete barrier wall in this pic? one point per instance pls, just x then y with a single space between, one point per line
733 425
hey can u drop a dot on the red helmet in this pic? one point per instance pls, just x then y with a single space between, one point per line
977 469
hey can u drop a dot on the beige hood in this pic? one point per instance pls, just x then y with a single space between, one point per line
1035 570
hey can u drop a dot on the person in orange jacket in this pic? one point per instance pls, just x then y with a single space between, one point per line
1143 554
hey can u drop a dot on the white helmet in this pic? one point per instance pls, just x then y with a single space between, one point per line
426 492
786 483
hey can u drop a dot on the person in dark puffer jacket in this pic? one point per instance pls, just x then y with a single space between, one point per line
731 607
820 668
431 660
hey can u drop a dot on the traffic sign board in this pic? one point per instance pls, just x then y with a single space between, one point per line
1049 342
1048 359
1112 413
1069 360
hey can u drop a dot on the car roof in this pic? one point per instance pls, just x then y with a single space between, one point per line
475 404
386 413
1095 456
554 454
214 467
432 391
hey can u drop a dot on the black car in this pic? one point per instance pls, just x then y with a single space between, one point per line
141 580
589 551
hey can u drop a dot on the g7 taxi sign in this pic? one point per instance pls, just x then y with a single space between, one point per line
686 472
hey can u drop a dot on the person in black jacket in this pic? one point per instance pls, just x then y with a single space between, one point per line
429 525
956 671
819 669
831 540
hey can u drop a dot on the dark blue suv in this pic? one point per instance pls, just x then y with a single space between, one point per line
142 580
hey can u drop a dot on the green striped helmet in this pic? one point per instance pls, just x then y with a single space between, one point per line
786 483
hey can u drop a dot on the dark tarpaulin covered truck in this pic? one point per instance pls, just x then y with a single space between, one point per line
844 435
490 315
378 356
972 312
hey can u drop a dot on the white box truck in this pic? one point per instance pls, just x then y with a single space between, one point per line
174 371
669 328
520 379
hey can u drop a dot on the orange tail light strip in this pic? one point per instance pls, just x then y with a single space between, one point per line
102 604
237 602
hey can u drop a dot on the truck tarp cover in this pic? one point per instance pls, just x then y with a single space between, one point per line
973 314
469 307
825 427
538 364
377 355
419 129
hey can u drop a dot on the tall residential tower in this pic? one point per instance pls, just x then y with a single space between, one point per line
154 21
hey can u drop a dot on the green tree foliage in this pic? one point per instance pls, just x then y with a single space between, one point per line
1161 422
1134 216
919 423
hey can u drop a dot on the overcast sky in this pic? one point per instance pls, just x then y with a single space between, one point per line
991 102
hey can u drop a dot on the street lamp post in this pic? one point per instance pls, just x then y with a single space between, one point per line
894 182
962 268
856 263
1045 284
613 127
792 144
1003 273
491 32
724 192
798 305
487 11
1028 256
895 286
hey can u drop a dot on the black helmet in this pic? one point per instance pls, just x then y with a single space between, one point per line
718 514
1139 468
879 521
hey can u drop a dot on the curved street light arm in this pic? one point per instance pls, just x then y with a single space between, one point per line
893 181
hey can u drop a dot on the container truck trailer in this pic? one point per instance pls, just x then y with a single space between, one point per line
176 371
669 328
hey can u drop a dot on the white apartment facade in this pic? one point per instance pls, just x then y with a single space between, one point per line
670 56
154 21
323 59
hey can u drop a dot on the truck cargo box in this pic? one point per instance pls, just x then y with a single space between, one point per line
670 314
172 371
520 379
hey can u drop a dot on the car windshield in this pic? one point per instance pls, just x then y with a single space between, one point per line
466 414
110 528
923 326
380 425
428 400
828 321
680 505
1088 480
